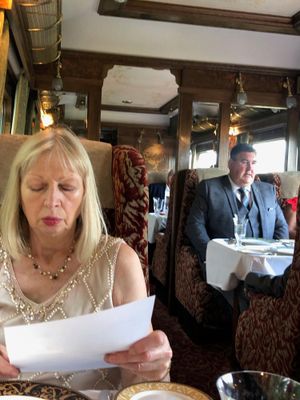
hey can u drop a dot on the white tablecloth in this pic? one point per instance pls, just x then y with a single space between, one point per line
226 265
155 224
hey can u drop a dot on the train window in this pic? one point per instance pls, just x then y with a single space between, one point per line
205 159
265 162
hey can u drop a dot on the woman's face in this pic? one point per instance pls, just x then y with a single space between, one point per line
51 196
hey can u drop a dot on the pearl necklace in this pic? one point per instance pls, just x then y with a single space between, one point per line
49 274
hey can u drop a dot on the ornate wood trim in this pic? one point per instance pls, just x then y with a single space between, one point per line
198 16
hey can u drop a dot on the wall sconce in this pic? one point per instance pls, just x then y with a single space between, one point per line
233 131
140 138
241 96
57 83
291 100
159 138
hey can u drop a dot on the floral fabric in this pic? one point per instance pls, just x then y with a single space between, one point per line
131 201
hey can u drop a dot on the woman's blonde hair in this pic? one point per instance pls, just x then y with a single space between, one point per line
13 223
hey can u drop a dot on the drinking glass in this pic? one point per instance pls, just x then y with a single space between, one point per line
240 227
256 385
157 205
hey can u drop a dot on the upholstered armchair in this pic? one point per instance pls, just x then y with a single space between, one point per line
268 332
121 179
196 300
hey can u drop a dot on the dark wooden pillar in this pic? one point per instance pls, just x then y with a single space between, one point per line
184 131
94 113
224 135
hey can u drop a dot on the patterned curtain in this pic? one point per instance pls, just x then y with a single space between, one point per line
4 44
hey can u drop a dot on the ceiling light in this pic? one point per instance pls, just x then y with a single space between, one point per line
291 101
127 101
241 96
120 1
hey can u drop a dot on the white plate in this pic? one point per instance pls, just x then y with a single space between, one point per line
161 391
256 241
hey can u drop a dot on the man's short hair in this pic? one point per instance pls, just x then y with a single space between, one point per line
241 148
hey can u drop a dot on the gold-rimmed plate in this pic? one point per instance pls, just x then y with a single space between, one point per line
159 390
31 390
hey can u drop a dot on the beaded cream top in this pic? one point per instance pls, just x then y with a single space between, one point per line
88 290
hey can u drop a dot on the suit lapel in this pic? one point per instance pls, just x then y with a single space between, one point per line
261 208
229 194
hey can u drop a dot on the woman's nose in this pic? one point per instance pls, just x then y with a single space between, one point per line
52 198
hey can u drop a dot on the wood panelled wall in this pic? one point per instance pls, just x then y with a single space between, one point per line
84 72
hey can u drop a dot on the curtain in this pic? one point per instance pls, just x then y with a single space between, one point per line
4 44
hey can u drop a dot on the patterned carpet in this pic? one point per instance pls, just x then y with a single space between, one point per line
197 365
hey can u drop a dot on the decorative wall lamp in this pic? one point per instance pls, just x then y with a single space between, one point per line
291 100
241 96
159 138
57 83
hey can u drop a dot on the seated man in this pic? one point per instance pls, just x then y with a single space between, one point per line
218 199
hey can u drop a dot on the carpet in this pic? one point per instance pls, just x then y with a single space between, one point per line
198 365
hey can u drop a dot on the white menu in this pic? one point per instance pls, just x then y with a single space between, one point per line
78 343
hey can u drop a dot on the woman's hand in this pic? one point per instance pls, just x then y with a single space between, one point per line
6 369
149 358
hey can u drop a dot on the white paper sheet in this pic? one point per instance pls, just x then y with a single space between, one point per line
78 343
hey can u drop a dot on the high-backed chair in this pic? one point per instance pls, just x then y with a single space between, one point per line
193 295
268 332
121 179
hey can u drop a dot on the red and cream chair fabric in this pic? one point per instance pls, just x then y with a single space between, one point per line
121 178
268 332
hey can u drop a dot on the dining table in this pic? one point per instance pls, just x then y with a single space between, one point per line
227 263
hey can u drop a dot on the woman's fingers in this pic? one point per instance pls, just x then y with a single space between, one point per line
6 369
149 357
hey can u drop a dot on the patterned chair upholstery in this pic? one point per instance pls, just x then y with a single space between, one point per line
196 298
161 257
122 188
268 332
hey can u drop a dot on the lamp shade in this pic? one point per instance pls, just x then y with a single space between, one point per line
57 83
291 102
241 98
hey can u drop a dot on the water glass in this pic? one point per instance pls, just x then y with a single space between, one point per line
240 227
256 385
158 205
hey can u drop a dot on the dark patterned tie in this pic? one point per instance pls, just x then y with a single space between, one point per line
244 198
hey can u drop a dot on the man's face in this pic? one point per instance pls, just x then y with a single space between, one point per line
242 168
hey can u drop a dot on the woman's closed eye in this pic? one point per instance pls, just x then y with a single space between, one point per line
37 188
67 188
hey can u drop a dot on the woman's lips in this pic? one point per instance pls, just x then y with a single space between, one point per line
50 221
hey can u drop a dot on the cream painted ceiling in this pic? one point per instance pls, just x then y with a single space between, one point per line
84 29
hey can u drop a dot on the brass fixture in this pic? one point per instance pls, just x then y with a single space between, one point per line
241 96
